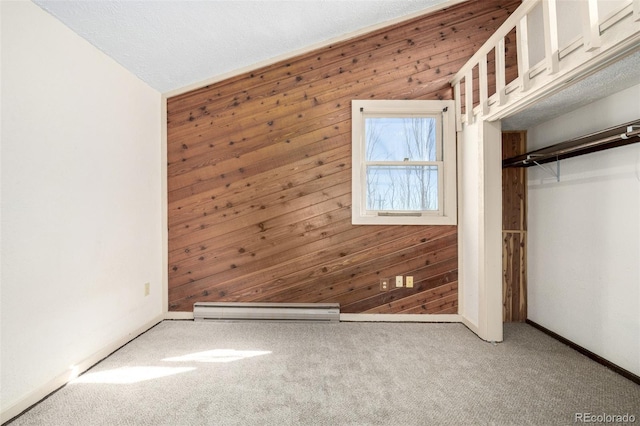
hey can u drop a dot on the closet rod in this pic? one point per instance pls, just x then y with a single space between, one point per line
612 137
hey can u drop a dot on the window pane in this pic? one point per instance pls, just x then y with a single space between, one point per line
402 188
400 139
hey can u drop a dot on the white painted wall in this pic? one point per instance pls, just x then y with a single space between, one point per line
81 203
480 228
468 226
584 236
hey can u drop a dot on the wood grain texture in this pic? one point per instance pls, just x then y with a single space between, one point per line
259 175
514 230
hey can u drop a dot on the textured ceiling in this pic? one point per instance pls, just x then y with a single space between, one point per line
616 77
173 44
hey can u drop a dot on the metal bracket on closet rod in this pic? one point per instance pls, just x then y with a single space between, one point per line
556 174
630 132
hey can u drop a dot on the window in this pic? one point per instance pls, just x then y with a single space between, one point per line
404 163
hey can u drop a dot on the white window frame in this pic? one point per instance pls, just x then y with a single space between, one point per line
447 190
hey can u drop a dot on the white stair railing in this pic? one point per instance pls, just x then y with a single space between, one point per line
601 42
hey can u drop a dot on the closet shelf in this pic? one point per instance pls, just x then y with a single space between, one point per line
612 137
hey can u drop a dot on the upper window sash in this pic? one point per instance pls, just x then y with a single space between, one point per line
394 122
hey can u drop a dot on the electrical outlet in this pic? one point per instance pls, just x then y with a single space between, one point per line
147 289
398 280
409 281
384 284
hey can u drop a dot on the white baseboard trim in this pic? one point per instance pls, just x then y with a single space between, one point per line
400 318
178 315
471 326
476 329
43 391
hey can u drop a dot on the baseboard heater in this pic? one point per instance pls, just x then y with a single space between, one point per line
232 311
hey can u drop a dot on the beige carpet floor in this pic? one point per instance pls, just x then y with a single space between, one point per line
187 373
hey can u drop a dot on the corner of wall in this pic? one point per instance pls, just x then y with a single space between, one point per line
164 205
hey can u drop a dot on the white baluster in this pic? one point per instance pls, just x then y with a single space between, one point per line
522 35
500 72
458 106
590 25
550 15
468 95
483 85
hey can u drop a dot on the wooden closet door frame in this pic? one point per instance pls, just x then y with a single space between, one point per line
514 230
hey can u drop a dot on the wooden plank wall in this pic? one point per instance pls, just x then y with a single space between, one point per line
259 175
514 230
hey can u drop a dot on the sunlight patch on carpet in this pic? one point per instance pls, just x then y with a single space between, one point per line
128 375
217 355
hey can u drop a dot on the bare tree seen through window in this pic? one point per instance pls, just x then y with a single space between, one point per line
398 152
